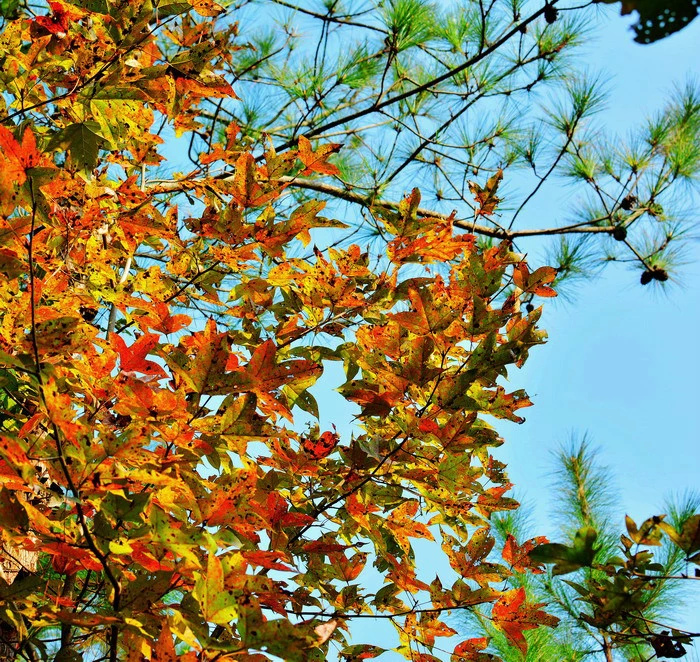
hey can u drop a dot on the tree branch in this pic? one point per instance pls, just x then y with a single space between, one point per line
379 105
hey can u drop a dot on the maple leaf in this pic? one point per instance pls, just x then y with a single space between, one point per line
518 555
24 154
246 187
218 606
486 197
321 447
71 558
325 630
161 320
164 649
470 651
512 615
207 7
535 282
270 560
15 159
358 652
133 358
566 558
688 538
57 22
324 547
402 524
317 161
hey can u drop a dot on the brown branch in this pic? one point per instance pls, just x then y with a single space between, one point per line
348 195
495 232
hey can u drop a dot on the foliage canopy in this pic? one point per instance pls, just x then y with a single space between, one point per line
160 332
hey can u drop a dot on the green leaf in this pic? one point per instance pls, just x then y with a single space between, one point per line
689 537
111 115
218 605
166 8
568 559
301 398
9 9
82 141
20 588
361 652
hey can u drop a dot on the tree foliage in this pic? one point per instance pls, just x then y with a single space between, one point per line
447 96
168 489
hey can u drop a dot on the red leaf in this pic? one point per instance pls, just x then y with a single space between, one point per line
266 559
321 447
296 519
133 358
57 22
512 615
468 651
426 425
67 553
276 507
322 547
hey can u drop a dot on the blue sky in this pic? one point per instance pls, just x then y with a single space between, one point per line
621 364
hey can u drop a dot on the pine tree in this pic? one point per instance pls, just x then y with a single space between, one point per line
584 499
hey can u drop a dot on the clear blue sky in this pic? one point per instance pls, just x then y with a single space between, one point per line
623 360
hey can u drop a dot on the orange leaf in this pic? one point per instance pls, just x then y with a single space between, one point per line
468 651
512 615
16 158
161 320
317 161
325 630
164 650
535 282
517 555
486 197
207 7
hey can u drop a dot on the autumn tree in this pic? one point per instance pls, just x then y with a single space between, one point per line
167 490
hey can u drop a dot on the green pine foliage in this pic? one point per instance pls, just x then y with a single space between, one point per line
442 96
583 495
